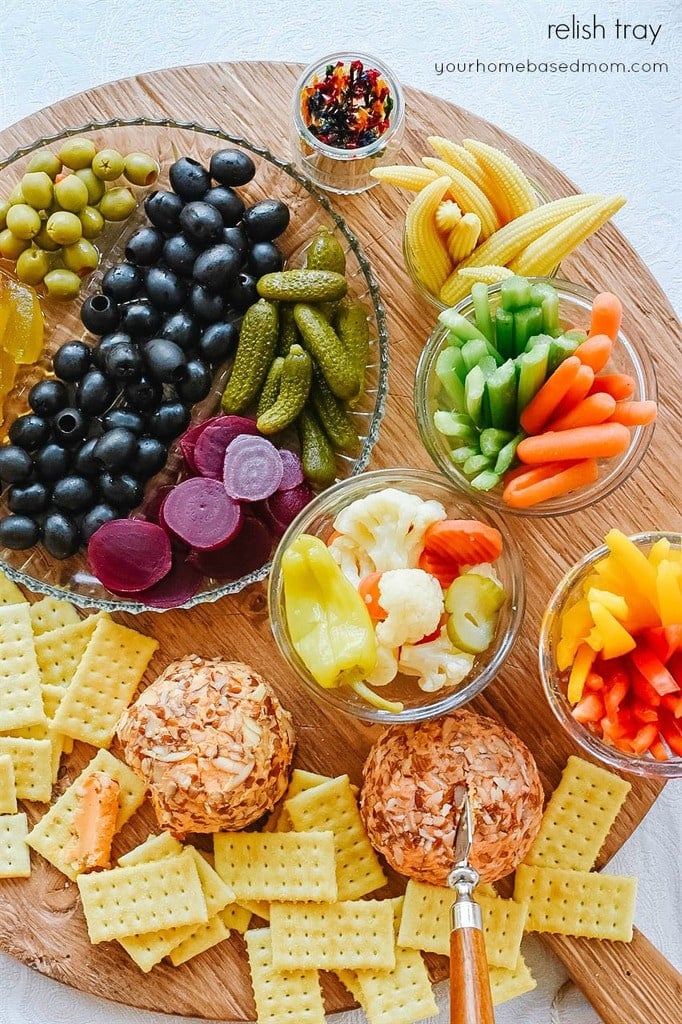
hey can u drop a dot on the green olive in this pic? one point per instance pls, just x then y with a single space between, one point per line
72 194
117 204
43 240
4 207
32 265
141 169
23 221
16 195
77 153
81 257
64 228
37 189
92 222
12 247
108 164
62 284
94 185
45 161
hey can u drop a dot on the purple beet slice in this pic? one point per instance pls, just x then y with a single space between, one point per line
249 550
201 513
284 506
293 470
150 509
182 582
209 451
253 469
188 442
129 555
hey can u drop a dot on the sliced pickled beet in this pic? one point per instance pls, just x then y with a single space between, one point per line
212 443
201 513
129 555
248 552
187 443
284 506
292 474
182 582
253 468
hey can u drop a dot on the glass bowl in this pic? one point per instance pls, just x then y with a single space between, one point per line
413 270
166 140
318 517
345 171
575 303
569 590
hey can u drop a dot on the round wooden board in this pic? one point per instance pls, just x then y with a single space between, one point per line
40 920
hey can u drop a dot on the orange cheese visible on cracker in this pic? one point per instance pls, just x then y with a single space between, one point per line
95 821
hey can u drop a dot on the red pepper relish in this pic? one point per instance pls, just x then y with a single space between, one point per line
349 108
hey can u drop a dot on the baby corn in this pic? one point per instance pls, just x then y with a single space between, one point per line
554 245
447 215
404 176
461 160
427 249
513 238
513 192
463 237
487 275
467 195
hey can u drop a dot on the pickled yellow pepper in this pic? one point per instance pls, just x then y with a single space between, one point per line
328 621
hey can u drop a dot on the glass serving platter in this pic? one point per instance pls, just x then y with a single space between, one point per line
166 140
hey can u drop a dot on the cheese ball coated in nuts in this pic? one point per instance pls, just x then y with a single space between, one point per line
407 799
213 743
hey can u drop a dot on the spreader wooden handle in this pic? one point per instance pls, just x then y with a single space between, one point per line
470 998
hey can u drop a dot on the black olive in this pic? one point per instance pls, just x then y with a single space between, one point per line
95 393
115 449
16 464
149 458
206 304
166 360
163 210
227 202
217 267
47 397
96 517
85 463
124 362
29 498
201 222
73 494
232 167
99 351
242 293
236 237
182 328
52 462
140 319
143 248
69 427
219 340
29 431
197 384
60 535
122 492
169 420
72 360
179 254
165 290
18 532
265 258
100 314
266 220
188 178
143 394
122 282
123 418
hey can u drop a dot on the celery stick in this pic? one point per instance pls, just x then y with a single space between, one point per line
539 339
579 336
492 441
481 304
540 291
501 388
515 293
447 373
546 296
488 366
504 332
445 423
532 375
474 396
560 349
476 463
472 352
460 455
454 339
460 326
507 454
485 481
527 322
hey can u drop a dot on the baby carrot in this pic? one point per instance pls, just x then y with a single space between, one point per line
463 541
592 410
368 588
618 385
607 312
599 442
544 403
634 414
578 390
555 479
595 352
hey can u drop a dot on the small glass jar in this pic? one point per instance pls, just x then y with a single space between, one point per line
345 169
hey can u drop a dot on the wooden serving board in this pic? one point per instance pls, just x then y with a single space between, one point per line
40 920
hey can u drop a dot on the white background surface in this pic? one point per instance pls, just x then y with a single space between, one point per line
609 132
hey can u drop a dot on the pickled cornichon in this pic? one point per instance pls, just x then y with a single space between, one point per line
325 253
317 454
294 388
352 327
288 331
270 389
332 414
255 351
302 286
324 345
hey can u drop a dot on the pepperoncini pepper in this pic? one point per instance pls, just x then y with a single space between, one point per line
328 621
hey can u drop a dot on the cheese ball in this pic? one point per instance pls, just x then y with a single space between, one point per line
407 796
212 742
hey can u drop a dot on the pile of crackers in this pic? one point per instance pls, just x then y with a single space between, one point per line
311 874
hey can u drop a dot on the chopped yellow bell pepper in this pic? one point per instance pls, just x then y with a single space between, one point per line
615 640
581 666
615 603
642 614
577 621
635 564
659 550
669 593
328 621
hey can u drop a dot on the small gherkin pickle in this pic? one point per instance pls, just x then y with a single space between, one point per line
317 454
270 389
325 253
326 348
288 331
255 352
302 285
333 416
294 387
352 327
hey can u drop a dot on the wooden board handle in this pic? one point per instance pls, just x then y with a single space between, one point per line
470 998
624 981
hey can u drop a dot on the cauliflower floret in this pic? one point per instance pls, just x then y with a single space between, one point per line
437 663
386 668
351 558
413 601
389 526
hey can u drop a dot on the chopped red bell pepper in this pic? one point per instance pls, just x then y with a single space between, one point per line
643 738
653 670
671 731
643 712
589 709
674 667
673 703
664 641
